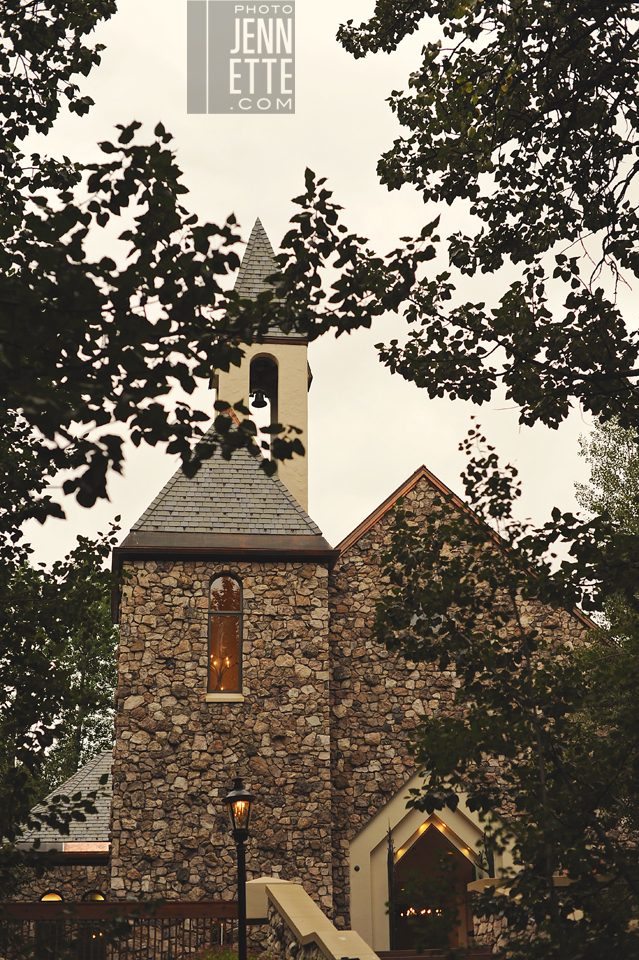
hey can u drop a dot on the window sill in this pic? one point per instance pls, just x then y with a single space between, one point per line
224 698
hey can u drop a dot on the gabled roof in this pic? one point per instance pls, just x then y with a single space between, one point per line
95 828
422 473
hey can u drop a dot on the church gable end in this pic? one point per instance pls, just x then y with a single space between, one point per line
377 697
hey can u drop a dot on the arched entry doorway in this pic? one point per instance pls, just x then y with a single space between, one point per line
430 894
369 857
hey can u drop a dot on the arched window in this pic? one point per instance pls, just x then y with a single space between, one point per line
94 895
50 895
225 635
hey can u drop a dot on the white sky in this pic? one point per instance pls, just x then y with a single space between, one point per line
368 430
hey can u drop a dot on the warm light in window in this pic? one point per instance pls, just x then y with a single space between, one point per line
225 612
51 896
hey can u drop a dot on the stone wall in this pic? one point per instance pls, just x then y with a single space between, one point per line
282 942
377 699
71 881
176 754
491 931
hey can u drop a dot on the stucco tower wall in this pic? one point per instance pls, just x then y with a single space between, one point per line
176 753
292 365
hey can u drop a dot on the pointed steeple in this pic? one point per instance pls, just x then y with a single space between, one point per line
258 262
276 368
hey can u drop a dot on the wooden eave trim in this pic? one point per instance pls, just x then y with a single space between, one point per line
224 553
423 473
233 550
104 909
298 341
87 859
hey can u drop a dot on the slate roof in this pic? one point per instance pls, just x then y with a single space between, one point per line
226 497
96 826
230 508
258 262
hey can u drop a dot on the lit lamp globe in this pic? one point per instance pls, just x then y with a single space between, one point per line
239 803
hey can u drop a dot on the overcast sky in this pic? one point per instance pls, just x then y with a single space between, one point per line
368 430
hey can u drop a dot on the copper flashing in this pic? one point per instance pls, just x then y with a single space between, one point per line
422 473
167 543
149 545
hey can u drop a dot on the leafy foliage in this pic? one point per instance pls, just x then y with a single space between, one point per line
527 113
611 451
556 713
90 351
56 681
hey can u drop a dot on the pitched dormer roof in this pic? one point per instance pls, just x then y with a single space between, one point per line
95 829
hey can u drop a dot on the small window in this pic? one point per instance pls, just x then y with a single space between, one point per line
225 636
50 895
94 895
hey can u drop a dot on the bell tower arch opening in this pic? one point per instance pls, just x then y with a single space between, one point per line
274 372
264 391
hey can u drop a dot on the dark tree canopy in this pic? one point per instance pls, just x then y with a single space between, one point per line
527 111
543 737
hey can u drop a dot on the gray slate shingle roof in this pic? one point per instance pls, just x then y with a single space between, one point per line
96 826
229 499
226 497
258 262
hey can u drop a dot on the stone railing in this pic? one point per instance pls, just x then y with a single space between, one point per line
298 930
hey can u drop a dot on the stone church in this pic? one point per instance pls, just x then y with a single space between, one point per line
247 649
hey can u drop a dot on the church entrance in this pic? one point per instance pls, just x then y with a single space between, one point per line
430 896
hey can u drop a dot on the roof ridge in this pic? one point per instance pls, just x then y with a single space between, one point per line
85 780
421 473
81 774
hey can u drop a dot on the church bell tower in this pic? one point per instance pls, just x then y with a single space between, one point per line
274 372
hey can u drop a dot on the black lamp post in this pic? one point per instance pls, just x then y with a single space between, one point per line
239 803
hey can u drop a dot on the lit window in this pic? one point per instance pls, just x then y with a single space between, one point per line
51 895
93 895
225 636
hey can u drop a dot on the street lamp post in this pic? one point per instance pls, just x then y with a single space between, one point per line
239 802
